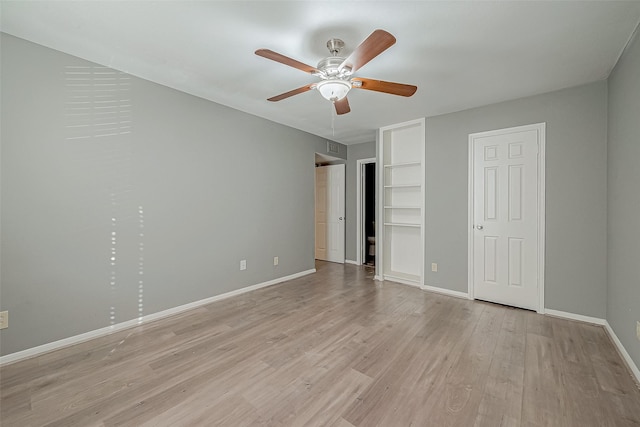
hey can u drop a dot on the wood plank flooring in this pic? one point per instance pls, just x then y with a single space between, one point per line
331 349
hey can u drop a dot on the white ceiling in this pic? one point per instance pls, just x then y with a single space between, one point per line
460 54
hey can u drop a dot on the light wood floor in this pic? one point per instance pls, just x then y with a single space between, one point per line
332 349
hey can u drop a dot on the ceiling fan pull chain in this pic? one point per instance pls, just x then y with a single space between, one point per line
333 121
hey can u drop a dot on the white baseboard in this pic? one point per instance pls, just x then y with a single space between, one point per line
573 316
444 291
601 322
623 352
378 278
350 261
77 339
401 281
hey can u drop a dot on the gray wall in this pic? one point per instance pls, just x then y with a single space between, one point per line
623 291
356 152
217 185
214 185
576 251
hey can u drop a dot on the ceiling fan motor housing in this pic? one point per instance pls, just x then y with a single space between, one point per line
330 68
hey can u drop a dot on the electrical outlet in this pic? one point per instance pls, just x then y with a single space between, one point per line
4 319
243 264
637 328
434 267
275 260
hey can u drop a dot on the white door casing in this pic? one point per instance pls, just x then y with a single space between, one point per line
330 216
506 237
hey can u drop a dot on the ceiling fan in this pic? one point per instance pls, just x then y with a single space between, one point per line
336 72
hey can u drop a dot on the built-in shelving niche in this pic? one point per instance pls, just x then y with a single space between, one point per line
401 230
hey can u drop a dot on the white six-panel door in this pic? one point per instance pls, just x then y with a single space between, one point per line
330 207
506 233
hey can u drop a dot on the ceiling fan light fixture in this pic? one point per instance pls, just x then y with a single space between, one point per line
333 90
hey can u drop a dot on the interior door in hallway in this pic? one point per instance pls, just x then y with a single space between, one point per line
330 216
506 223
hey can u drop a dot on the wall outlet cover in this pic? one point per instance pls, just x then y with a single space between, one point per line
638 329
4 319
434 267
275 260
243 264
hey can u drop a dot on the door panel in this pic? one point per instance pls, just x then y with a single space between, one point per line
505 206
330 206
321 213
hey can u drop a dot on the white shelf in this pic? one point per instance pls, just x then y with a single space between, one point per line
401 211
401 224
403 186
399 165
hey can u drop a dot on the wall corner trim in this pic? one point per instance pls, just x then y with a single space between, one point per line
350 261
77 339
443 291
623 352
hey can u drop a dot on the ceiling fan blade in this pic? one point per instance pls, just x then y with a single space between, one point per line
382 86
292 92
342 106
274 56
374 45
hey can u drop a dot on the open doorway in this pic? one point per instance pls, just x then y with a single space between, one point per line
366 211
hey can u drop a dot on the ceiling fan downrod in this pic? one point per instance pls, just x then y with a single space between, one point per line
335 46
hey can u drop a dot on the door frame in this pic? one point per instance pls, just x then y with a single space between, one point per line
360 195
540 128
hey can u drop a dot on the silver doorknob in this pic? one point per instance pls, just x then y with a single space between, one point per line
479 227
340 218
